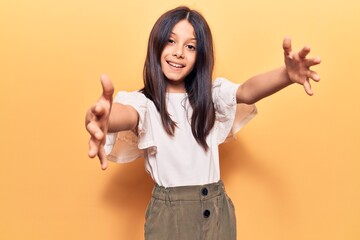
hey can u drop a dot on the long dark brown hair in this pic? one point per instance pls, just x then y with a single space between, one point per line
198 83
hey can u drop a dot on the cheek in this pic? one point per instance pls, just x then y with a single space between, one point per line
166 51
192 61
162 57
162 65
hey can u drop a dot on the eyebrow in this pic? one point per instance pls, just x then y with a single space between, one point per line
188 39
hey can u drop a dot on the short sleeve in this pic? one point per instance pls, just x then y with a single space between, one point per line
230 116
126 146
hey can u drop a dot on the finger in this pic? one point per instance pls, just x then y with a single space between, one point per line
287 46
102 158
93 147
307 88
304 52
89 116
312 61
98 110
95 131
313 75
107 86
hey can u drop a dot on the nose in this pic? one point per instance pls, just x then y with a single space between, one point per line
178 52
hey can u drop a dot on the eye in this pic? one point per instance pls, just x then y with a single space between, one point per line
191 47
171 41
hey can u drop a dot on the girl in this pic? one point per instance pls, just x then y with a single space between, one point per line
177 121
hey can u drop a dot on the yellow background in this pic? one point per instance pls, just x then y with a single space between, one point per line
293 173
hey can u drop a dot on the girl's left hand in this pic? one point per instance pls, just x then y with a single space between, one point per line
298 66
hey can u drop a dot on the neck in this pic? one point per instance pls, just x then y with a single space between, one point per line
175 90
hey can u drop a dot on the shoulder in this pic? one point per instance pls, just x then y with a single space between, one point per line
136 99
130 97
223 83
224 91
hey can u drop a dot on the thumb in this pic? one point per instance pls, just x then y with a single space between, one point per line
307 88
107 87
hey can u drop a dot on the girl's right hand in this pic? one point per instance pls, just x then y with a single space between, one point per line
97 121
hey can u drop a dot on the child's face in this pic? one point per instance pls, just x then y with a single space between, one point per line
179 56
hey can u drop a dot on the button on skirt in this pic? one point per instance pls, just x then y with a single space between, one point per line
190 213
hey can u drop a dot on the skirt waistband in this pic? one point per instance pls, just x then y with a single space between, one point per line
188 193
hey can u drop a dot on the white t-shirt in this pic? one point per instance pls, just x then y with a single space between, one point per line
178 160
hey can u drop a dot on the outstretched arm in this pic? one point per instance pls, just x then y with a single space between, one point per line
104 117
296 70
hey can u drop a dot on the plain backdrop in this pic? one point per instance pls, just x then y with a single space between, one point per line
292 173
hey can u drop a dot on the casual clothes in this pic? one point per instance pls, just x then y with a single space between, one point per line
189 199
178 160
190 212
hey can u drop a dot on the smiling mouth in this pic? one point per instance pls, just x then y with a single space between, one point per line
175 65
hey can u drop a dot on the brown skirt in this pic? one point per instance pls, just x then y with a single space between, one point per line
190 213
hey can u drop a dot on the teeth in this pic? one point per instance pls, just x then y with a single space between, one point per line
176 65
